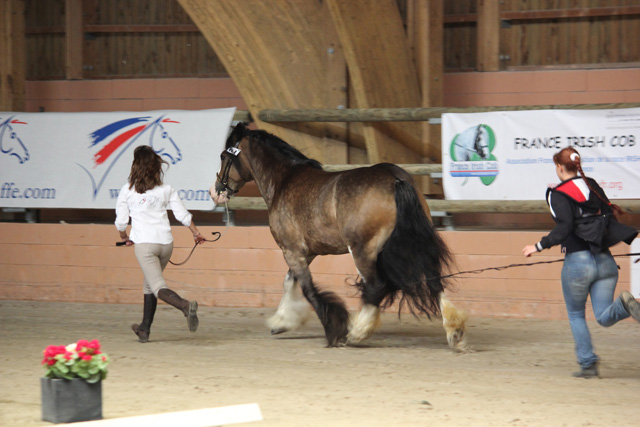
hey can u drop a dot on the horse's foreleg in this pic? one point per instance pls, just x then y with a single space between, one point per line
330 310
454 322
293 310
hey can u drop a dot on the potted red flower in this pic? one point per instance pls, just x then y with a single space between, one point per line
72 385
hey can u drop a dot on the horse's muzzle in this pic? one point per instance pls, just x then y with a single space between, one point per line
219 195
220 198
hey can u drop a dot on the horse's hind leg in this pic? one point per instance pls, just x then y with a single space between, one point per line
454 322
373 292
365 324
293 310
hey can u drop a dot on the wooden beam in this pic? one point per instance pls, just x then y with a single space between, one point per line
413 169
411 114
74 38
12 57
104 28
586 12
276 54
527 15
488 35
382 73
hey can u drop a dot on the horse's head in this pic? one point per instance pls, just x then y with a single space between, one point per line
10 142
162 143
234 170
480 144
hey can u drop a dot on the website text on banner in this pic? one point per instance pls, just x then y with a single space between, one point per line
508 155
81 160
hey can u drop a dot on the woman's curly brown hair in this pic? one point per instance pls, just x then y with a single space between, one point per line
146 169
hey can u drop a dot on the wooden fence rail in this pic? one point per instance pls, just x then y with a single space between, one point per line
457 206
419 114
409 114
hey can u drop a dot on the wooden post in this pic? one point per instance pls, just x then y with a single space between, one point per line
335 92
74 37
12 57
426 28
488 35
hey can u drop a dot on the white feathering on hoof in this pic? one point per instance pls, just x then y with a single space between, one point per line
293 310
368 320
454 323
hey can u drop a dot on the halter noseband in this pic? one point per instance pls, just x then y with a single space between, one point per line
224 178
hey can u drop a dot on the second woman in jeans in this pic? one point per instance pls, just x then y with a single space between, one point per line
586 228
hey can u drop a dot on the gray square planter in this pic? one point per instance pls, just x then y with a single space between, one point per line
68 401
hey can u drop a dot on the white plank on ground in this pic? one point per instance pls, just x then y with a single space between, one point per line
209 417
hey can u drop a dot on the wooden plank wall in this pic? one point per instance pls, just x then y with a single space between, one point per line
120 42
12 57
245 268
546 42
45 49
115 54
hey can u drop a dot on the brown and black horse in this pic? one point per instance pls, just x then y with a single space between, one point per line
374 213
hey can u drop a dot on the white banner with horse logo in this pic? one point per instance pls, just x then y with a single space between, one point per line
507 155
81 160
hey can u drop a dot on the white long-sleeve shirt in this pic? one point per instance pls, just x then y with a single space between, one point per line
148 212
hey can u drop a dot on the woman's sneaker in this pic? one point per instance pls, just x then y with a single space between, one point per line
631 305
590 372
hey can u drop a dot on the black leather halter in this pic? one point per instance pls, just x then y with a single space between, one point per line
232 157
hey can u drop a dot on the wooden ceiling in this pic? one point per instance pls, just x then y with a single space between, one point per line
309 54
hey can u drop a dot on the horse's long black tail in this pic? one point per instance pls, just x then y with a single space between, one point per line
414 256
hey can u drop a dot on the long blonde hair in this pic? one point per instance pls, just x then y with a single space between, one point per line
146 169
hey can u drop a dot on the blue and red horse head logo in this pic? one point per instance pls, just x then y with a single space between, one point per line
115 139
10 142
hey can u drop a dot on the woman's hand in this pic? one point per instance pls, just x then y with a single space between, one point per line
198 238
125 239
529 250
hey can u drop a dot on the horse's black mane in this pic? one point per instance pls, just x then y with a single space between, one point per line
268 140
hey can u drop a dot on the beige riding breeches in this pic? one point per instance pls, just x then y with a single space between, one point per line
153 258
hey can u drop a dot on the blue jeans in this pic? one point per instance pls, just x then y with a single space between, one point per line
586 274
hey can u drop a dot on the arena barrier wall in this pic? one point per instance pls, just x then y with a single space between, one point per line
245 268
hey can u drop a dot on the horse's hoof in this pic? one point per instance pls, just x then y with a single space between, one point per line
356 338
337 342
460 346
277 331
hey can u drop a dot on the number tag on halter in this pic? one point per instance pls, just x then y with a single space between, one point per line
233 150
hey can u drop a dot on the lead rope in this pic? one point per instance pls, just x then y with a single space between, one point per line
504 267
219 235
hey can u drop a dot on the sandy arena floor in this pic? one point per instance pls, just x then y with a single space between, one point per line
404 375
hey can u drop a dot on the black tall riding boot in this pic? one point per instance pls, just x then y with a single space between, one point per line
148 311
189 308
